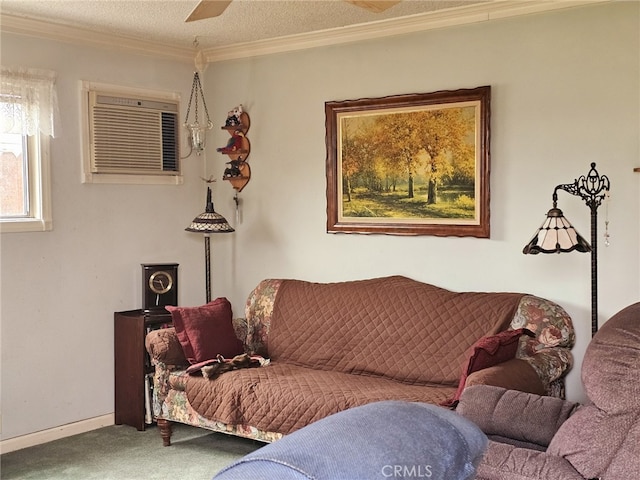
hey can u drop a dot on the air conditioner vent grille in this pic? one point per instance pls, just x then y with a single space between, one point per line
129 137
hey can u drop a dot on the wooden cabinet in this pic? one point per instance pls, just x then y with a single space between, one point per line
133 365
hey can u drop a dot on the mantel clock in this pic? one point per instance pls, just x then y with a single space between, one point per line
159 286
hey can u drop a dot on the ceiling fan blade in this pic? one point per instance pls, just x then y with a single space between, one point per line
375 6
208 9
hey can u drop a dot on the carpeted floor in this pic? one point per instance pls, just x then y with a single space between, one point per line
122 453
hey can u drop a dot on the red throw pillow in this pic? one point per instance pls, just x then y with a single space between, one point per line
206 331
487 352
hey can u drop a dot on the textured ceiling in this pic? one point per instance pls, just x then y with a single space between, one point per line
244 21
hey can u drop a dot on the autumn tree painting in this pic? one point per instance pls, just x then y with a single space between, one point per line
395 164
410 164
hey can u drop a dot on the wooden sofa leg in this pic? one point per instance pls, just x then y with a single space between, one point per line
165 431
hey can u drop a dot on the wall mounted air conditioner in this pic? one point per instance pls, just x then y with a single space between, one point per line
132 135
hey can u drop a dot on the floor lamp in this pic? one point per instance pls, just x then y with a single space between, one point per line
557 235
209 222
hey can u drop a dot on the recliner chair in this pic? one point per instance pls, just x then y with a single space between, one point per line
546 438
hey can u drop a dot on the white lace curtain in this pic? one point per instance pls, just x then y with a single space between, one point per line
28 101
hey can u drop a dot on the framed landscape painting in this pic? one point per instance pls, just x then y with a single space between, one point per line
415 164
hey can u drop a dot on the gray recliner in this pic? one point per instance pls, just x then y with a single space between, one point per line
545 438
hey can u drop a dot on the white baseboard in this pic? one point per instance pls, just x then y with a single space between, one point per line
44 436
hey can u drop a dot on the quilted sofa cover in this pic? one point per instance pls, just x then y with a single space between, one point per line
339 345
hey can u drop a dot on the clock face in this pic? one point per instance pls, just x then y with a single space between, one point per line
160 282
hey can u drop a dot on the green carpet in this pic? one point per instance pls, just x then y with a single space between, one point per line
122 453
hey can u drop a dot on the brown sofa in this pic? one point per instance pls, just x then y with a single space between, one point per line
541 438
338 345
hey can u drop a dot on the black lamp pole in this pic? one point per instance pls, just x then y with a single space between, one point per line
592 189
207 266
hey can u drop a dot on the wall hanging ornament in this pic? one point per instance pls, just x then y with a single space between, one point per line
197 130
237 171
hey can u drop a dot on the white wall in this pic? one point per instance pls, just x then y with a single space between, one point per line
564 93
60 288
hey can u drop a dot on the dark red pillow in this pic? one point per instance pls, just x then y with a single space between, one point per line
206 331
487 352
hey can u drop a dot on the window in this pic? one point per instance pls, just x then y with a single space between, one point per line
25 202
27 107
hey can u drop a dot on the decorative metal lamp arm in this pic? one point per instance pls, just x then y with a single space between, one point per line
591 188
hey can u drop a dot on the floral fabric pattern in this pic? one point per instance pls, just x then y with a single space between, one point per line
176 408
549 352
170 403
258 312
240 329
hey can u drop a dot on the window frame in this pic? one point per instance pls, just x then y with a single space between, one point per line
39 218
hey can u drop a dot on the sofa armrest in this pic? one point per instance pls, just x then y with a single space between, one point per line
258 313
520 416
164 347
514 374
550 363
549 351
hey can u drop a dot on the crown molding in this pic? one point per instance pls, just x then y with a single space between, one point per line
82 36
492 10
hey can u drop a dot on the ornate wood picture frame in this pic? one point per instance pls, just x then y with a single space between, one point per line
415 164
